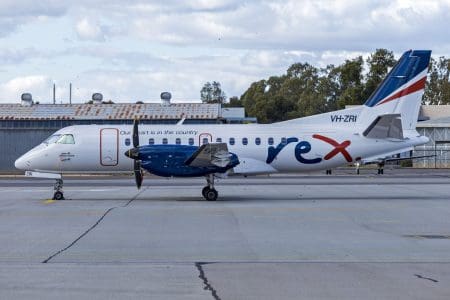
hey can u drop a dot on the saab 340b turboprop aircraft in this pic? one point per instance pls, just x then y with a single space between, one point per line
385 124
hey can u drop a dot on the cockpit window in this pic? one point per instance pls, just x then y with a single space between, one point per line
52 139
66 139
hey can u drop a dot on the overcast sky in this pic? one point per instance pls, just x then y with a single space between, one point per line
133 50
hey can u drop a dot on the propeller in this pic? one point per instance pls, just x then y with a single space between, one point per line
138 174
136 133
134 154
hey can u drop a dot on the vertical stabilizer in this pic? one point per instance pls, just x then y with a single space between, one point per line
400 92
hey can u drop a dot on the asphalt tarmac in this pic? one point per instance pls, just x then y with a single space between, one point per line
281 237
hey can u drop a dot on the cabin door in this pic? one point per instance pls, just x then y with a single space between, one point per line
109 147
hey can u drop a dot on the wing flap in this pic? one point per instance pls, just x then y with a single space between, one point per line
210 155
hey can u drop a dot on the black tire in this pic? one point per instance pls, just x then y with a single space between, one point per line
58 196
204 190
211 195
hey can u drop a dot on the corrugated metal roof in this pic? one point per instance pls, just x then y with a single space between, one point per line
119 111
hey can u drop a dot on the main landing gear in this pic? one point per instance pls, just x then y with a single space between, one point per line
209 192
380 168
58 188
357 165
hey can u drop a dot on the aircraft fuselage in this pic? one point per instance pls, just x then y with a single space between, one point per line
274 148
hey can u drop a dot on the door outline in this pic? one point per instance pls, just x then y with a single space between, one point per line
117 147
202 136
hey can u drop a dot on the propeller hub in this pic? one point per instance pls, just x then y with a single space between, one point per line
132 153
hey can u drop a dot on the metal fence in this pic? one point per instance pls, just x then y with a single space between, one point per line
440 156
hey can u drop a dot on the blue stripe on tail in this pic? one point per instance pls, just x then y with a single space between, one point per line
409 66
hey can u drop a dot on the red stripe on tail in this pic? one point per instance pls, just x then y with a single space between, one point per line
420 84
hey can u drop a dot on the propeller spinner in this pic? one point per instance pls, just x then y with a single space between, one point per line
134 154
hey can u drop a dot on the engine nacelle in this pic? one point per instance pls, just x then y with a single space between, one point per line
170 160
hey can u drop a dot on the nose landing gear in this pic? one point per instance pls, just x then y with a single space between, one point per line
209 192
58 188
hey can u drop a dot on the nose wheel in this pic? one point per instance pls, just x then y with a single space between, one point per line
209 192
58 188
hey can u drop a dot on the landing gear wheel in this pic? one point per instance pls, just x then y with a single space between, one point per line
204 190
58 188
58 196
210 194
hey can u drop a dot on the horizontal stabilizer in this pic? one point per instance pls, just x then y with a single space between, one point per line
385 126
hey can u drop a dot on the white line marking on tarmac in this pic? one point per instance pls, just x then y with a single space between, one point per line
90 190
47 190
23 191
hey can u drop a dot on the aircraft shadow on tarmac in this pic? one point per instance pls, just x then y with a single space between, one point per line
257 198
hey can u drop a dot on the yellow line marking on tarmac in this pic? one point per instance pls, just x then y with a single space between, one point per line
49 201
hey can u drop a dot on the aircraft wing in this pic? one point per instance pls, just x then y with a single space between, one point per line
210 155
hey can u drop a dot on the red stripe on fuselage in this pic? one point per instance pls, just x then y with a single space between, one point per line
420 84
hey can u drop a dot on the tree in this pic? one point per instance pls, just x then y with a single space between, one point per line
306 90
437 90
379 62
350 86
212 93
252 99
233 102
301 90
328 87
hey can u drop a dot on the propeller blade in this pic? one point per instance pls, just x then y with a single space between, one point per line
136 133
134 154
138 175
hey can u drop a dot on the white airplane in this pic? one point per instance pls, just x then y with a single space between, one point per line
384 124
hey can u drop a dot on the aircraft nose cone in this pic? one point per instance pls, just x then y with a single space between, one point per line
22 163
19 163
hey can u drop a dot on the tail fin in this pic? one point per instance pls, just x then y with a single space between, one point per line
400 92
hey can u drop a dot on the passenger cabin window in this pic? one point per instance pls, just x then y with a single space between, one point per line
257 141
127 142
231 141
151 141
283 141
205 141
178 141
164 141
191 141
219 140
270 141
66 139
244 141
